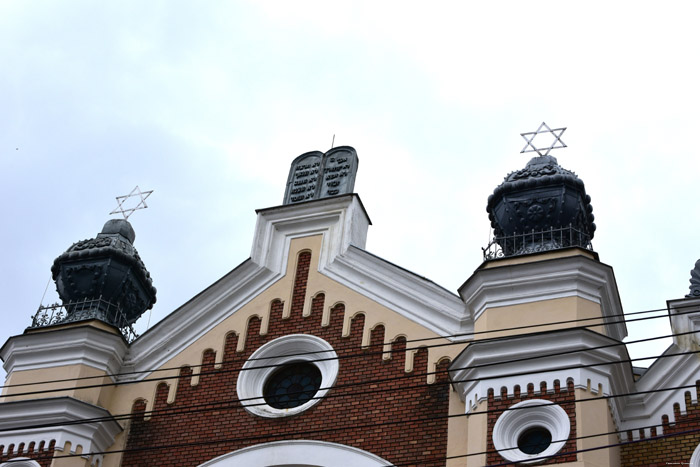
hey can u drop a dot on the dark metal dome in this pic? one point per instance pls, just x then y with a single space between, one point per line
544 201
104 277
695 281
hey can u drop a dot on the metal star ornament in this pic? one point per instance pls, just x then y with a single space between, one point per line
126 212
556 142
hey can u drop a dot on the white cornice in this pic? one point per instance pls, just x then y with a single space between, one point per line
79 345
199 315
572 276
402 291
341 221
668 371
685 319
25 422
343 224
557 355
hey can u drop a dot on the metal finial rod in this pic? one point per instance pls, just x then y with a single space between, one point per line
333 142
556 143
126 212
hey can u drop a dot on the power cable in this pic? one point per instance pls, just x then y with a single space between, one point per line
395 422
364 353
199 408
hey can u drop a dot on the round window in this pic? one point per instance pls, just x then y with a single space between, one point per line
534 440
531 430
287 375
292 385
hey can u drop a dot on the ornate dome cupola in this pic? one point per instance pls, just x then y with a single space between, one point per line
103 278
695 281
541 207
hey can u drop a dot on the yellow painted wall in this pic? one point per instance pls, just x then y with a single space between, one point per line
593 418
74 373
538 314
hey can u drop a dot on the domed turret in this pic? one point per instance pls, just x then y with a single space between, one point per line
104 278
695 281
541 207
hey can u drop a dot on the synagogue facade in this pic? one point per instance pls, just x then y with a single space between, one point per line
316 352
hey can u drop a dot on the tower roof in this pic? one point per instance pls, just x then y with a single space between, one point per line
542 197
104 277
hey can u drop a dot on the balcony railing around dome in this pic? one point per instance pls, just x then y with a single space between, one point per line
82 310
535 242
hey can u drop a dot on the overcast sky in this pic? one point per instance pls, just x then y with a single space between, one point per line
207 104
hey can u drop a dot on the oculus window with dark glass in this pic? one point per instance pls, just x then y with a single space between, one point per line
534 440
292 385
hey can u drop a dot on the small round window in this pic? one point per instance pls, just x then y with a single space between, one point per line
292 385
530 431
534 440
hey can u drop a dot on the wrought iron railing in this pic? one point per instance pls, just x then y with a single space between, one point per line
82 310
534 242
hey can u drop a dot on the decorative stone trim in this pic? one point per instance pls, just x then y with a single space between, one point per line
649 405
343 223
45 420
525 415
414 297
571 276
269 357
20 462
579 355
79 345
298 452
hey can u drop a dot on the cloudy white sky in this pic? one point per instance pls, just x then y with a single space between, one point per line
207 103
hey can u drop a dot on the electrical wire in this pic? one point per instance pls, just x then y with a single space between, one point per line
365 353
395 422
199 408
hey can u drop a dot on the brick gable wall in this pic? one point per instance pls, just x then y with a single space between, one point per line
206 421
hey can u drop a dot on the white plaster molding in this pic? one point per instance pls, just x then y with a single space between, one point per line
196 317
571 276
343 224
695 460
646 409
410 295
299 453
79 345
20 462
270 357
26 421
685 318
567 354
341 220
528 414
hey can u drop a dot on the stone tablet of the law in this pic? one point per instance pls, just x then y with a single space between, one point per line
315 175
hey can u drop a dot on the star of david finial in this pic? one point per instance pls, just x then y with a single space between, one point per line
127 211
556 142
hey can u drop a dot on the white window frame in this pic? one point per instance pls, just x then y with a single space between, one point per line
298 453
524 415
270 357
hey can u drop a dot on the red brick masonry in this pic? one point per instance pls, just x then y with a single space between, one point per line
39 453
205 421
